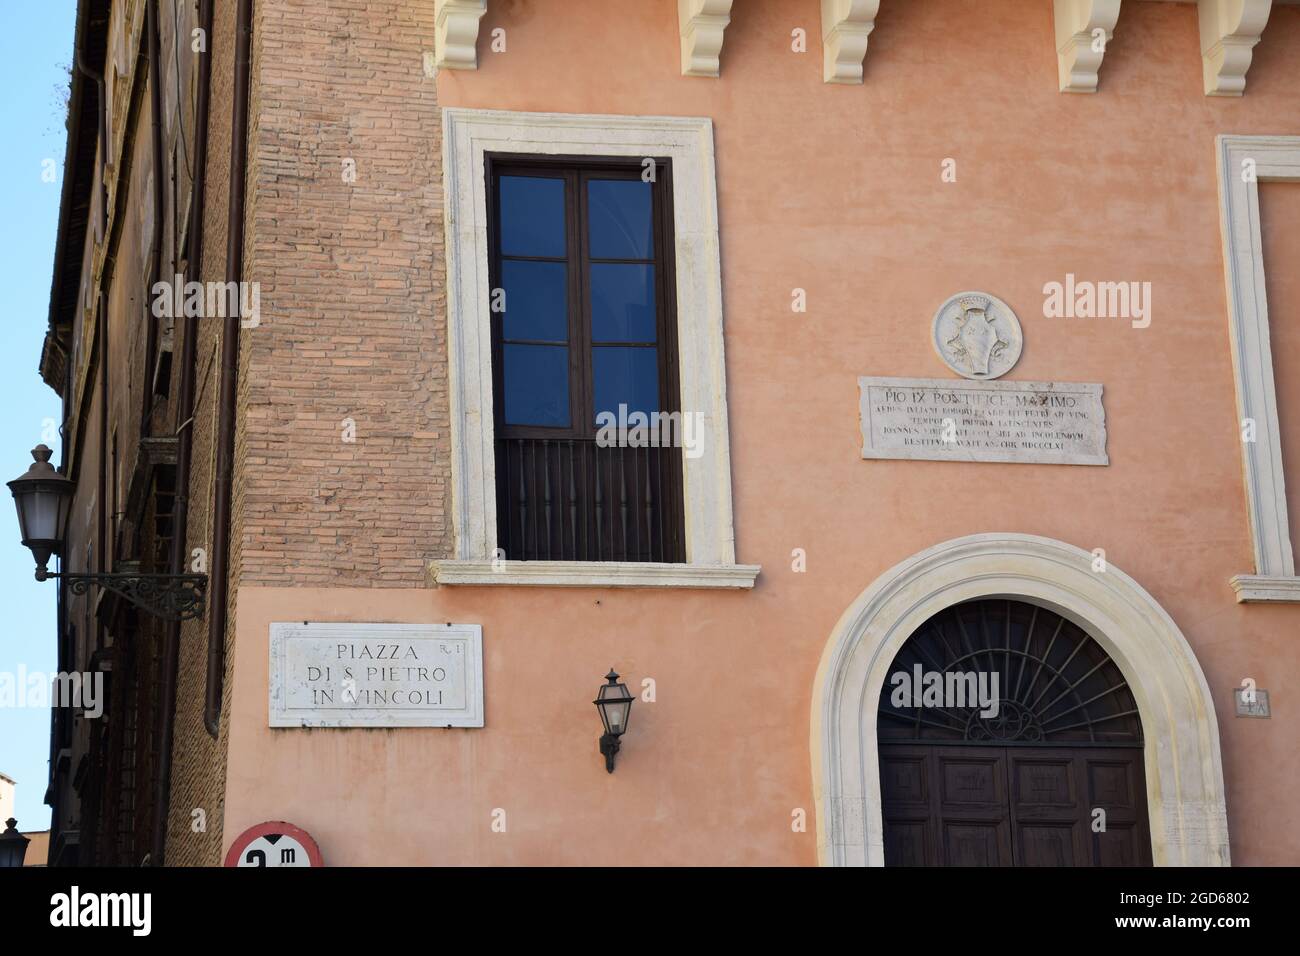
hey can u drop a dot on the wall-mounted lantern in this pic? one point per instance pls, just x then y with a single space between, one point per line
43 497
13 845
614 701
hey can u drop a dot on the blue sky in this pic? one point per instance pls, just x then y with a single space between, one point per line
35 50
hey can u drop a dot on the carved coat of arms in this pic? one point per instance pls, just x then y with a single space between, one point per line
977 335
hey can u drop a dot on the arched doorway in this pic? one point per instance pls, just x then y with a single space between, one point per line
1180 750
1008 736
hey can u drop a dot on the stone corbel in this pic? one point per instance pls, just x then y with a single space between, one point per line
702 25
1229 31
1079 46
456 23
846 24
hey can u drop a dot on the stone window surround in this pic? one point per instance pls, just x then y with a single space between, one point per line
468 135
1276 159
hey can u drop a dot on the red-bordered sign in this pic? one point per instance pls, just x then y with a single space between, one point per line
274 843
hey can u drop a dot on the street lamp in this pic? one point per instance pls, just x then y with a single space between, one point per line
43 498
13 845
614 701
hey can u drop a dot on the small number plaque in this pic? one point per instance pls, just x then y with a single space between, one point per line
1252 704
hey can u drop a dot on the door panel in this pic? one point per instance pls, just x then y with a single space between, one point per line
1047 818
945 806
975 844
905 787
972 805
1021 806
1115 781
1047 845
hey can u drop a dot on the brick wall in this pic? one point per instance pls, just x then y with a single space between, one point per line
352 326
353 319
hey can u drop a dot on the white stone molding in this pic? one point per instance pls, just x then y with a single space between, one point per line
1184 770
846 24
1229 31
594 574
703 23
1254 588
1077 55
456 24
1243 162
687 142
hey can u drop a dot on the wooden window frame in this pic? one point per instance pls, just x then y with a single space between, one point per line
577 171
654 533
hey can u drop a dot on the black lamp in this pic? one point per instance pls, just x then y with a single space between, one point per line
13 845
43 498
614 701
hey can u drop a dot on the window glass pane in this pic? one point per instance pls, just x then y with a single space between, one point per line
536 384
537 300
618 215
628 376
532 216
622 302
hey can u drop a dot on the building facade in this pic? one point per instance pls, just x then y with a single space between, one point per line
972 325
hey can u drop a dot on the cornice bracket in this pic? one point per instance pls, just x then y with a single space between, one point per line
1229 31
846 24
1080 47
702 25
456 24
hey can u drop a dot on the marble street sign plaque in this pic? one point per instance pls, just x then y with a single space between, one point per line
376 675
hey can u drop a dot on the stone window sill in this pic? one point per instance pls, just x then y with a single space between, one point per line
1255 588
592 574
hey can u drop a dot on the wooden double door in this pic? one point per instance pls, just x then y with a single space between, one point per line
1013 806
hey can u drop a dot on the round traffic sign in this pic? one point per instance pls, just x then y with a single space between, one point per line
274 843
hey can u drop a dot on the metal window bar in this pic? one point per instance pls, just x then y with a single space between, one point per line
572 500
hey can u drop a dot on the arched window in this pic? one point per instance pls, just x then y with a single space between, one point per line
1054 683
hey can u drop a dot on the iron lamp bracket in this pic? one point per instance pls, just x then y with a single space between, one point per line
171 597
609 747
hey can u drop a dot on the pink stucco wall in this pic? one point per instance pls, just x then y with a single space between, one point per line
837 190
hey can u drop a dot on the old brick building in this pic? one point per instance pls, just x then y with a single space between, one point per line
354 450
322 246
128 221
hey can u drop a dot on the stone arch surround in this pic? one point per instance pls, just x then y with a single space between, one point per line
1184 769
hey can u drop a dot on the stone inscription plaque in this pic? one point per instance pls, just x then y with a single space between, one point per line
376 675
1059 423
